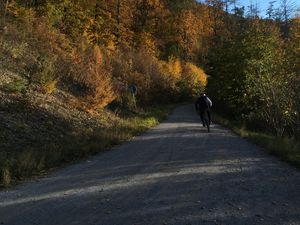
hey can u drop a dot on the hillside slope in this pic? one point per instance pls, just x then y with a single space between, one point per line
40 131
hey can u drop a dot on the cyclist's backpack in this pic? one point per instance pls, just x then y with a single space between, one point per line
203 103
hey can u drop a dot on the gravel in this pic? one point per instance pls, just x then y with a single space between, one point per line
176 173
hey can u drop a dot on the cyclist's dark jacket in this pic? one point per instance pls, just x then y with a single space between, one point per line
203 103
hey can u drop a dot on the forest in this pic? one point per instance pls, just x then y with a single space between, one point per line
172 50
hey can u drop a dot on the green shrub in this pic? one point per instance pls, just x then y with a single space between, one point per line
44 70
5 177
17 86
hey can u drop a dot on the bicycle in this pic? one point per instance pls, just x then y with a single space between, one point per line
206 121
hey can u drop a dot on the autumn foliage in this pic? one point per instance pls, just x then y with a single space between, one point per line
91 73
97 49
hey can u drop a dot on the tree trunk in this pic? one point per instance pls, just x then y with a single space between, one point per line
5 11
118 18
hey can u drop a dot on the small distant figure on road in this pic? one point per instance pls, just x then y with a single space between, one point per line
133 91
203 105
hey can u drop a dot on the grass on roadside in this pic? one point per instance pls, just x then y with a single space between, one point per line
286 149
16 166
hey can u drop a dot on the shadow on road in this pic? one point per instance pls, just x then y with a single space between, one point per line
174 174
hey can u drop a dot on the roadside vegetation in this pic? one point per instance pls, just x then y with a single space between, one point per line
66 72
255 79
67 69
286 148
33 147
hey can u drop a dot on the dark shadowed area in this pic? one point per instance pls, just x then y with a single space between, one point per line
176 173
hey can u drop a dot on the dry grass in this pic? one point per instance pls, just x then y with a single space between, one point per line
287 149
17 165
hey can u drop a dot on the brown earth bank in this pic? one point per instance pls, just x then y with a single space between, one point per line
40 131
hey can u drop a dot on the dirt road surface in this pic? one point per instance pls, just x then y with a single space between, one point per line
176 173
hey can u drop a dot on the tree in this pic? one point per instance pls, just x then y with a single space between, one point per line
271 10
92 74
5 6
253 11
216 13
68 17
267 79
285 11
100 26
228 3
149 21
292 47
178 5
189 27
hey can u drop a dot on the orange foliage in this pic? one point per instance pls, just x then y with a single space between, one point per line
175 68
188 28
130 67
92 73
138 37
146 43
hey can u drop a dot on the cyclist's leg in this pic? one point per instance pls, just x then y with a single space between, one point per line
202 117
209 116
207 120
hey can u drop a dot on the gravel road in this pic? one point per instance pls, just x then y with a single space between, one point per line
176 173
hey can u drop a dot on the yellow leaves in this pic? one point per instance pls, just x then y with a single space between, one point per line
153 7
172 68
189 27
111 45
23 14
207 24
97 31
147 43
143 32
295 30
175 68
193 80
182 77
167 77
50 87
196 74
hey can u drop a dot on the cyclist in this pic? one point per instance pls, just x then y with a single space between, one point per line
203 105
